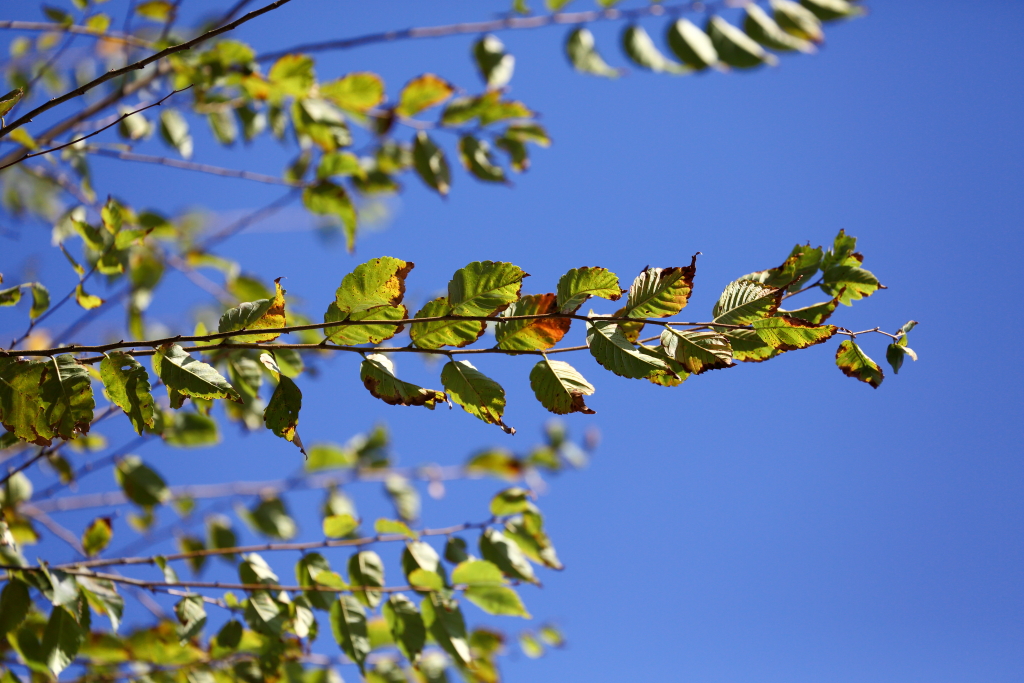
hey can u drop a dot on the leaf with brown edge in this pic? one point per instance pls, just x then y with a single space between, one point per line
788 334
615 353
744 301
630 329
485 288
697 350
379 282
579 284
675 375
560 387
816 313
350 335
529 335
849 283
21 410
282 413
378 375
477 393
422 93
438 333
802 263
855 363
255 315
748 347
661 292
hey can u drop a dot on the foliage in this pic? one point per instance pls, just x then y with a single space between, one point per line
252 369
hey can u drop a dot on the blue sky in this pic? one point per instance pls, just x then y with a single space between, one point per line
776 522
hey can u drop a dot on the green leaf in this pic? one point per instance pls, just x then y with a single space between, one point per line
40 300
174 131
256 315
190 430
350 335
348 623
431 164
358 92
583 55
855 363
155 10
403 495
127 385
476 157
103 598
527 531
282 413
366 570
8 101
339 526
230 634
745 301
500 600
697 350
897 351
11 296
850 283
185 376
797 20
510 501
374 284
97 536
14 604
393 526
560 387
815 314
41 400
86 300
736 48
328 199
422 566
614 352
191 615
505 553
220 535
762 28
829 10
63 637
660 292
787 334
530 645
270 518
495 65
477 393
674 374
692 46
444 621
478 573
142 485
421 93
640 49
748 347
455 550
484 288
378 375
535 334
292 75
434 335
406 625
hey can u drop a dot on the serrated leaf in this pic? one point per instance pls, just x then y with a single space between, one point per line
348 622
745 301
855 363
536 334
377 374
358 92
282 413
484 288
675 375
788 334
477 393
141 484
762 28
641 50
850 283
692 46
256 315
615 353
495 65
815 314
185 376
97 536
583 55
421 93
127 384
697 350
736 48
660 292
560 387
748 347
350 335
443 619
801 264
366 571
434 335
376 283
406 625
579 284
431 163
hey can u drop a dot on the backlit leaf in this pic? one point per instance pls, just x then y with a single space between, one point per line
476 157
185 376
256 315
639 47
421 93
357 92
63 637
282 413
444 621
615 353
815 314
855 363
8 101
497 548
736 48
40 300
394 526
350 335
797 20
174 131
348 622
86 300
377 374
366 570
829 10
141 484
536 334
477 393
692 46
497 600
431 164
97 536
762 28
660 292
434 335
376 283
560 387
850 283
484 288
745 301
191 614
579 284
787 334
406 625
127 384
697 350
403 495
339 526
328 199
292 75
495 65
583 55
748 347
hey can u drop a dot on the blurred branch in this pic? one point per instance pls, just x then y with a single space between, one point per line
192 166
49 27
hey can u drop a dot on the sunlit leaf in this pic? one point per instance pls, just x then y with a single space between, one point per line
366 570
477 393
855 363
377 375
697 350
639 47
560 387
615 353
745 301
357 92
406 625
421 93
692 46
127 384
787 334
141 484
97 536
736 48
484 288
434 335
256 315
444 622
583 54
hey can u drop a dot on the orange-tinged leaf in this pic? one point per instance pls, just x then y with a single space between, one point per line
422 93
536 334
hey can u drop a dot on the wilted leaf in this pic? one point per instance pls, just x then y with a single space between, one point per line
560 387
377 374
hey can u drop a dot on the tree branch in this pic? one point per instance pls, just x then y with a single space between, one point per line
192 166
135 66
49 27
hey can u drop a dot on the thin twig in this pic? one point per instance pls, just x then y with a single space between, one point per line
116 121
49 27
135 66
193 166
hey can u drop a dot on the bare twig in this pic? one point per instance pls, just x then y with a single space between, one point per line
50 27
135 66
192 166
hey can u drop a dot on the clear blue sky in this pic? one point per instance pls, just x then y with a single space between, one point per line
777 522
